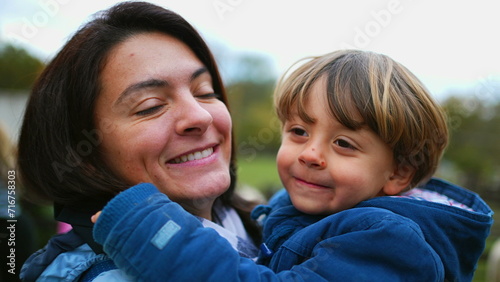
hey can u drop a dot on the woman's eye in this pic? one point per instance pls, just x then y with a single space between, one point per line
149 111
344 144
209 96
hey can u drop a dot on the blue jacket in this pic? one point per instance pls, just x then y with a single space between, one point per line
383 239
68 258
73 256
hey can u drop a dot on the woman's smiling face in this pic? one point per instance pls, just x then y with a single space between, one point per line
162 123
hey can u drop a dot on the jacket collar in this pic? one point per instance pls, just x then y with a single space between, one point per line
81 223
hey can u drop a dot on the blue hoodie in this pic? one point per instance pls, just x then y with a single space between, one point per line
383 239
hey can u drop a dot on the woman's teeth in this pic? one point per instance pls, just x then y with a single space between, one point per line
194 156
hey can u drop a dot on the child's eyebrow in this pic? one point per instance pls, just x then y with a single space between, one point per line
294 115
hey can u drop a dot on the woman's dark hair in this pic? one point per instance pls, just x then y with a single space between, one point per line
59 159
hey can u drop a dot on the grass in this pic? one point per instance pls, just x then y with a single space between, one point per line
260 172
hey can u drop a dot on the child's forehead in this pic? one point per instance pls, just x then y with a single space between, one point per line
310 109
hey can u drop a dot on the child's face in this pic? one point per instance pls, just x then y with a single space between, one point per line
326 167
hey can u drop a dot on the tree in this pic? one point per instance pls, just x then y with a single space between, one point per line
474 149
18 69
250 92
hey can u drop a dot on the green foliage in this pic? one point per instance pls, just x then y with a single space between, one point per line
256 128
18 69
474 147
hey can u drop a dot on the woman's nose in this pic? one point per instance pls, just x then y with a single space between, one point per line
193 119
312 157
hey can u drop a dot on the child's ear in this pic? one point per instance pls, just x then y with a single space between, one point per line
399 180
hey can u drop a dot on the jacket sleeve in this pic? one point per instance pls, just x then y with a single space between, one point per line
153 239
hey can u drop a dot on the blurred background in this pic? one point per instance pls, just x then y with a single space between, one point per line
452 46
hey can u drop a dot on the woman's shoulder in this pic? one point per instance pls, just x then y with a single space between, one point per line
65 257
69 265
113 275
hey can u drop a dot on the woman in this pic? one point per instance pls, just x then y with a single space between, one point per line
134 96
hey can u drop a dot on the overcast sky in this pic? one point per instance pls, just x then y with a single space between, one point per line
447 44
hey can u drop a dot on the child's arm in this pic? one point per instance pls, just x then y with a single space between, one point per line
152 238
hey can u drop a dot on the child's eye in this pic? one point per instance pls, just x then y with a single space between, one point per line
149 111
298 131
344 144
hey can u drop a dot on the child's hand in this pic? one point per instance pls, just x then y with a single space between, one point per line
95 217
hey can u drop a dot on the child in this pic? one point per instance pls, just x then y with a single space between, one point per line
360 132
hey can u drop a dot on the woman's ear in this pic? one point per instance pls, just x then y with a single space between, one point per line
399 180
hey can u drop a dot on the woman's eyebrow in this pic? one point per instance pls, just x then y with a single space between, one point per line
137 87
198 72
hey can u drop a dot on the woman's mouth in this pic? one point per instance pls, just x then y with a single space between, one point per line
193 156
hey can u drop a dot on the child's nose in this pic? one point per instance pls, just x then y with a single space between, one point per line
312 158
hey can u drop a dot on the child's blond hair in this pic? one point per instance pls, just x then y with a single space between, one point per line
372 90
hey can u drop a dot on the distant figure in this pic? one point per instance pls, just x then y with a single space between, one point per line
493 266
